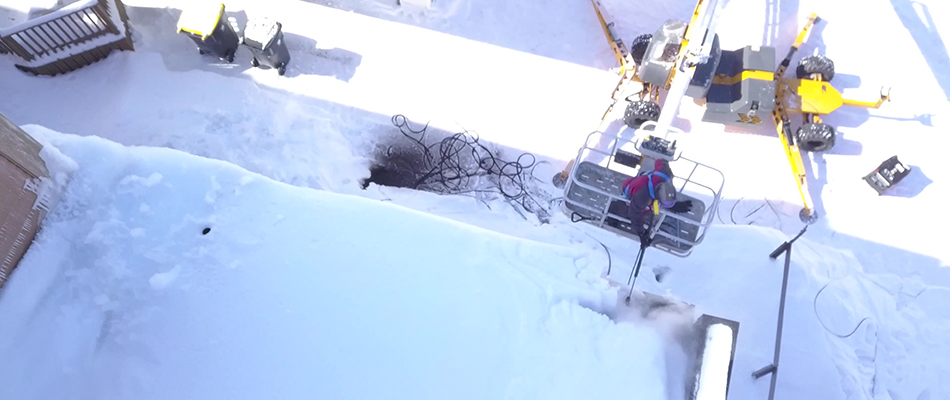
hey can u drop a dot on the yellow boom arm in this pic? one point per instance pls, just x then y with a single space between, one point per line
780 114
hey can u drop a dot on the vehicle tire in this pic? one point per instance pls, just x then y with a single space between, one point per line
638 112
281 69
815 137
638 47
254 62
816 65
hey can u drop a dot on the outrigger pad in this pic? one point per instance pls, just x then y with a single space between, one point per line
887 174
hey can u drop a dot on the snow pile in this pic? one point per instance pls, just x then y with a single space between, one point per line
59 166
165 275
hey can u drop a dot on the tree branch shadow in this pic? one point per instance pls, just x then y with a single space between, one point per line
917 20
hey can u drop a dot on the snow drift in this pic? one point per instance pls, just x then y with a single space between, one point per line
294 293
163 274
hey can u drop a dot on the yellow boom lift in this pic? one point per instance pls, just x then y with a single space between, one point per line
738 88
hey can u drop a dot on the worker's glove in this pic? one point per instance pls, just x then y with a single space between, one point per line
682 206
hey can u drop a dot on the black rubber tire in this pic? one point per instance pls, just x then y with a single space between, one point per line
254 62
815 137
816 65
638 47
638 112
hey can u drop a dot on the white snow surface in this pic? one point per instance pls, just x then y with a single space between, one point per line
295 293
308 286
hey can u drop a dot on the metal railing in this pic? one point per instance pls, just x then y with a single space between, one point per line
702 224
60 29
57 35
773 367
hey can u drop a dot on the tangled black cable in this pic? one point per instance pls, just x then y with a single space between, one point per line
732 212
454 164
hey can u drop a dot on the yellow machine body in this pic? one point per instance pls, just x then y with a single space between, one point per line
819 97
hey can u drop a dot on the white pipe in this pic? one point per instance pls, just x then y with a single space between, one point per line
714 370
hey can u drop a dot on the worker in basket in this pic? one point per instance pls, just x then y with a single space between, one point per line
647 193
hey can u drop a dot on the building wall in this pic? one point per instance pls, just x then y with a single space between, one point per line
20 163
19 222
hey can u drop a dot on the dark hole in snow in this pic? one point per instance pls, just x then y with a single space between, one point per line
394 167
443 162
205 231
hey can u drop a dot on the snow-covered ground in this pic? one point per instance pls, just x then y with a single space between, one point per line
295 293
323 292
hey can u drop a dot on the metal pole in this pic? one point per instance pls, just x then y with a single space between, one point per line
781 322
773 368
636 271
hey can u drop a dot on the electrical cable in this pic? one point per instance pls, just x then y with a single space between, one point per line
582 218
609 262
817 316
815 304
732 212
456 163
777 215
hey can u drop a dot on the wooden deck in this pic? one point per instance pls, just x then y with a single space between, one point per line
20 168
70 38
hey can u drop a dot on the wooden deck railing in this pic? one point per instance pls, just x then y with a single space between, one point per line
57 35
